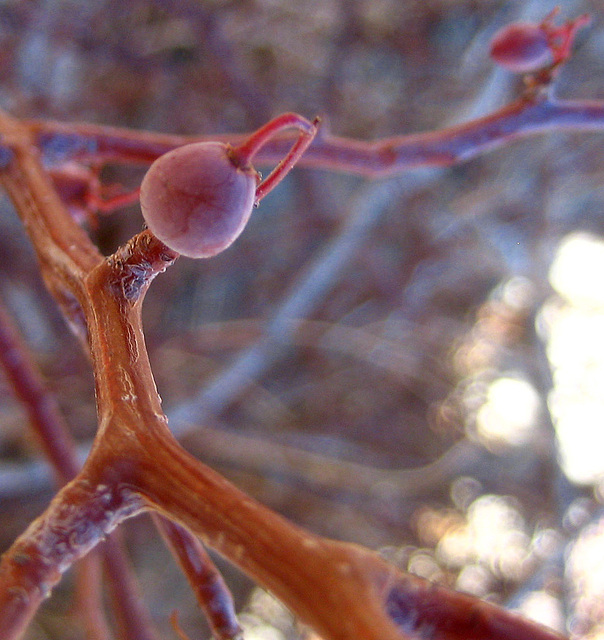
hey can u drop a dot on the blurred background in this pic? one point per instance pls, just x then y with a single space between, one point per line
414 363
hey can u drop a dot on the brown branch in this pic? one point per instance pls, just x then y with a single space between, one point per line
48 425
331 578
77 519
59 448
64 251
133 276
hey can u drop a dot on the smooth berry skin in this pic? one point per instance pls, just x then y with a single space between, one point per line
196 200
521 48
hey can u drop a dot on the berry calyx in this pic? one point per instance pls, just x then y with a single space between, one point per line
526 47
521 48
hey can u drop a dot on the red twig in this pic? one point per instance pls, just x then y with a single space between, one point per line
132 615
206 581
45 417
531 115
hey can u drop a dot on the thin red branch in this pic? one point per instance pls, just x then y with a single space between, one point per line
534 114
45 416
90 597
213 596
133 617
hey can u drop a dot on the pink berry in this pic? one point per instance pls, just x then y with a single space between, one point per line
522 47
196 200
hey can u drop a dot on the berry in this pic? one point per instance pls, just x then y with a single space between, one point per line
521 48
526 47
196 200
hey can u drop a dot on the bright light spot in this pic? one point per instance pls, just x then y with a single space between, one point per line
576 351
493 536
424 565
574 329
576 273
475 579
518 293
580 432
262 632
509 413
586 569
544 608
265 618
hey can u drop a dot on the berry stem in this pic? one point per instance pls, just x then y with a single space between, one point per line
285 165
561 38
244 153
